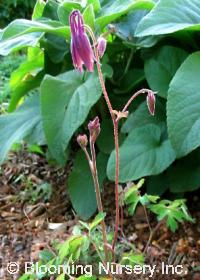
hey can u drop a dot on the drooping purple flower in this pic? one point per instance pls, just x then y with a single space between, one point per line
81 49
151 102
102 43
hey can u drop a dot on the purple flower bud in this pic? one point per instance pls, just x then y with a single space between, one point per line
81 49
101 45
82 141
94 129
151 101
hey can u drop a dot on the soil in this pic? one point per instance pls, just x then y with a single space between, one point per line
27 226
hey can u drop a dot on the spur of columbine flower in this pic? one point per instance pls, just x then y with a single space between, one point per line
81 48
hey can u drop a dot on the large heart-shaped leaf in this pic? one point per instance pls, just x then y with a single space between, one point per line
126 28
65 103
183 106
143 153
162 66
112 10
170 16
15 126
81 186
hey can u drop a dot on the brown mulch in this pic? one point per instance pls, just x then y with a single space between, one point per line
26 227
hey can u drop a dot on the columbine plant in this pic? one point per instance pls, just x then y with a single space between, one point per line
84 54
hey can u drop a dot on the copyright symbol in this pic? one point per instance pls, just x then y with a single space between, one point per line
12 268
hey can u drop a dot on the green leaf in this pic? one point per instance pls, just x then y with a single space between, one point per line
97 220
185 174
170 16
133 78
132 198
61 277
173 211
66 7
81 186
161 68
157 185
141 117
105 143
28 76
38 9
112 10
132 259
125 29
15 126
65 103
143 153
85 277
23 33
183 107
89 16
96 4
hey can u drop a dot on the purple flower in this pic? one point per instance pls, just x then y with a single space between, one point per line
81 49
151 101
94 129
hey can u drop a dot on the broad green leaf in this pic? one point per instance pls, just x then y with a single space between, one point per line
23 33
89 16
184 176
81 186
183 107
25 78
65 103
141 117
38 9
96 5
157 185
105 142
15 126
143 153
170 16
125 29
66 7
133 78
112 10
97 220
161 68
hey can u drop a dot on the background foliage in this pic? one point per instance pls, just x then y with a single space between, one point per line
12 9
153 44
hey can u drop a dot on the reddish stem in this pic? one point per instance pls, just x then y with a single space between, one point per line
141 91
117 217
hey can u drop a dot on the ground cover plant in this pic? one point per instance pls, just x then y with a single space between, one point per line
123 53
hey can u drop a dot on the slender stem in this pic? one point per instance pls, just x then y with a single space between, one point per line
99 70
115 125
142 91
98 196
117 218
151 236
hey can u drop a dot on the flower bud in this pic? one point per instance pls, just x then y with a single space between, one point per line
82 141
101 45
151 101
94 129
